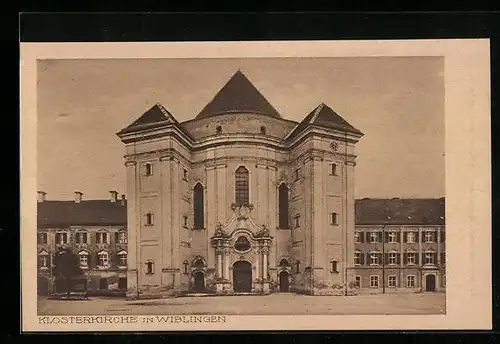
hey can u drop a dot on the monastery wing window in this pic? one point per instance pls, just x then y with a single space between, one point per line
242 186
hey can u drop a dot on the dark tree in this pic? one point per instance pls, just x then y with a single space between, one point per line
67 267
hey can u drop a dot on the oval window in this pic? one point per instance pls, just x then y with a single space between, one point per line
242 244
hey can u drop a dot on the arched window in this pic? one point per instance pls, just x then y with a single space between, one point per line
84 258
103 259
283 206
122 258
186 266
199 263
284 262
198 206
150 267
148 169
241 186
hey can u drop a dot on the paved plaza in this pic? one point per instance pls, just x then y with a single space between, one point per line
274 304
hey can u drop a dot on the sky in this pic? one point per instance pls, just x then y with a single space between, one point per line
397 102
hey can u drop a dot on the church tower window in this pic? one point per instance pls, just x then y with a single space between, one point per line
283 206
242 186
198 206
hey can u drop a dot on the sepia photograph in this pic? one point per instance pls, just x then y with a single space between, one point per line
192 189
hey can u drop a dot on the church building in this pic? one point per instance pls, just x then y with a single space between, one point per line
240 199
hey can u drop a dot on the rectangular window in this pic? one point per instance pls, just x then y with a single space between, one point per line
429 237
410 237
410 281
103 284
185 221
374 281
374 236
358 237
122 283
149 219
103 259
61 238
81 238
185 174
357 258
102 238
429 258
443 258
122 237
123 259
333 218
43 261
392 281
297 221
357 281
42 238
333 266
297 174
410 258
392 237
374 258
393 258
84 260
333 169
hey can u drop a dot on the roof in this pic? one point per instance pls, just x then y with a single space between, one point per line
238 95
324 116
156 116
85 213
58 214
400 211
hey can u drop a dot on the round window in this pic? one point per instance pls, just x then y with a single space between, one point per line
242 244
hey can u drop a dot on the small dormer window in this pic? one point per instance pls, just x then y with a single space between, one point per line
263 130
218 129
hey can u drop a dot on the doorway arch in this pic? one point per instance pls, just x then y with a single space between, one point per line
242 277
199 282
430 282
284 281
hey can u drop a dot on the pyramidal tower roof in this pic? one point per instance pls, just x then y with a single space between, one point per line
238 95
156 116
324 116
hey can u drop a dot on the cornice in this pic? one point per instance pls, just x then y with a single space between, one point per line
167 154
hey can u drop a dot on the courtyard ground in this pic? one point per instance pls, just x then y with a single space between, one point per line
274 304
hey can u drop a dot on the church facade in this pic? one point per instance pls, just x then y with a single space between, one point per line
240 199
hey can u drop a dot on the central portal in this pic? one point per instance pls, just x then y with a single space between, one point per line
242 277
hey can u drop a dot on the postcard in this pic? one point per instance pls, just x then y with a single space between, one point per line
305 185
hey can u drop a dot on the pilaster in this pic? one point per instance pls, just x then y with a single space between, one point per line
318 216
132 227
166 212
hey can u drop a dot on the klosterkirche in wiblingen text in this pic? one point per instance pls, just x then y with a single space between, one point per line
240 199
